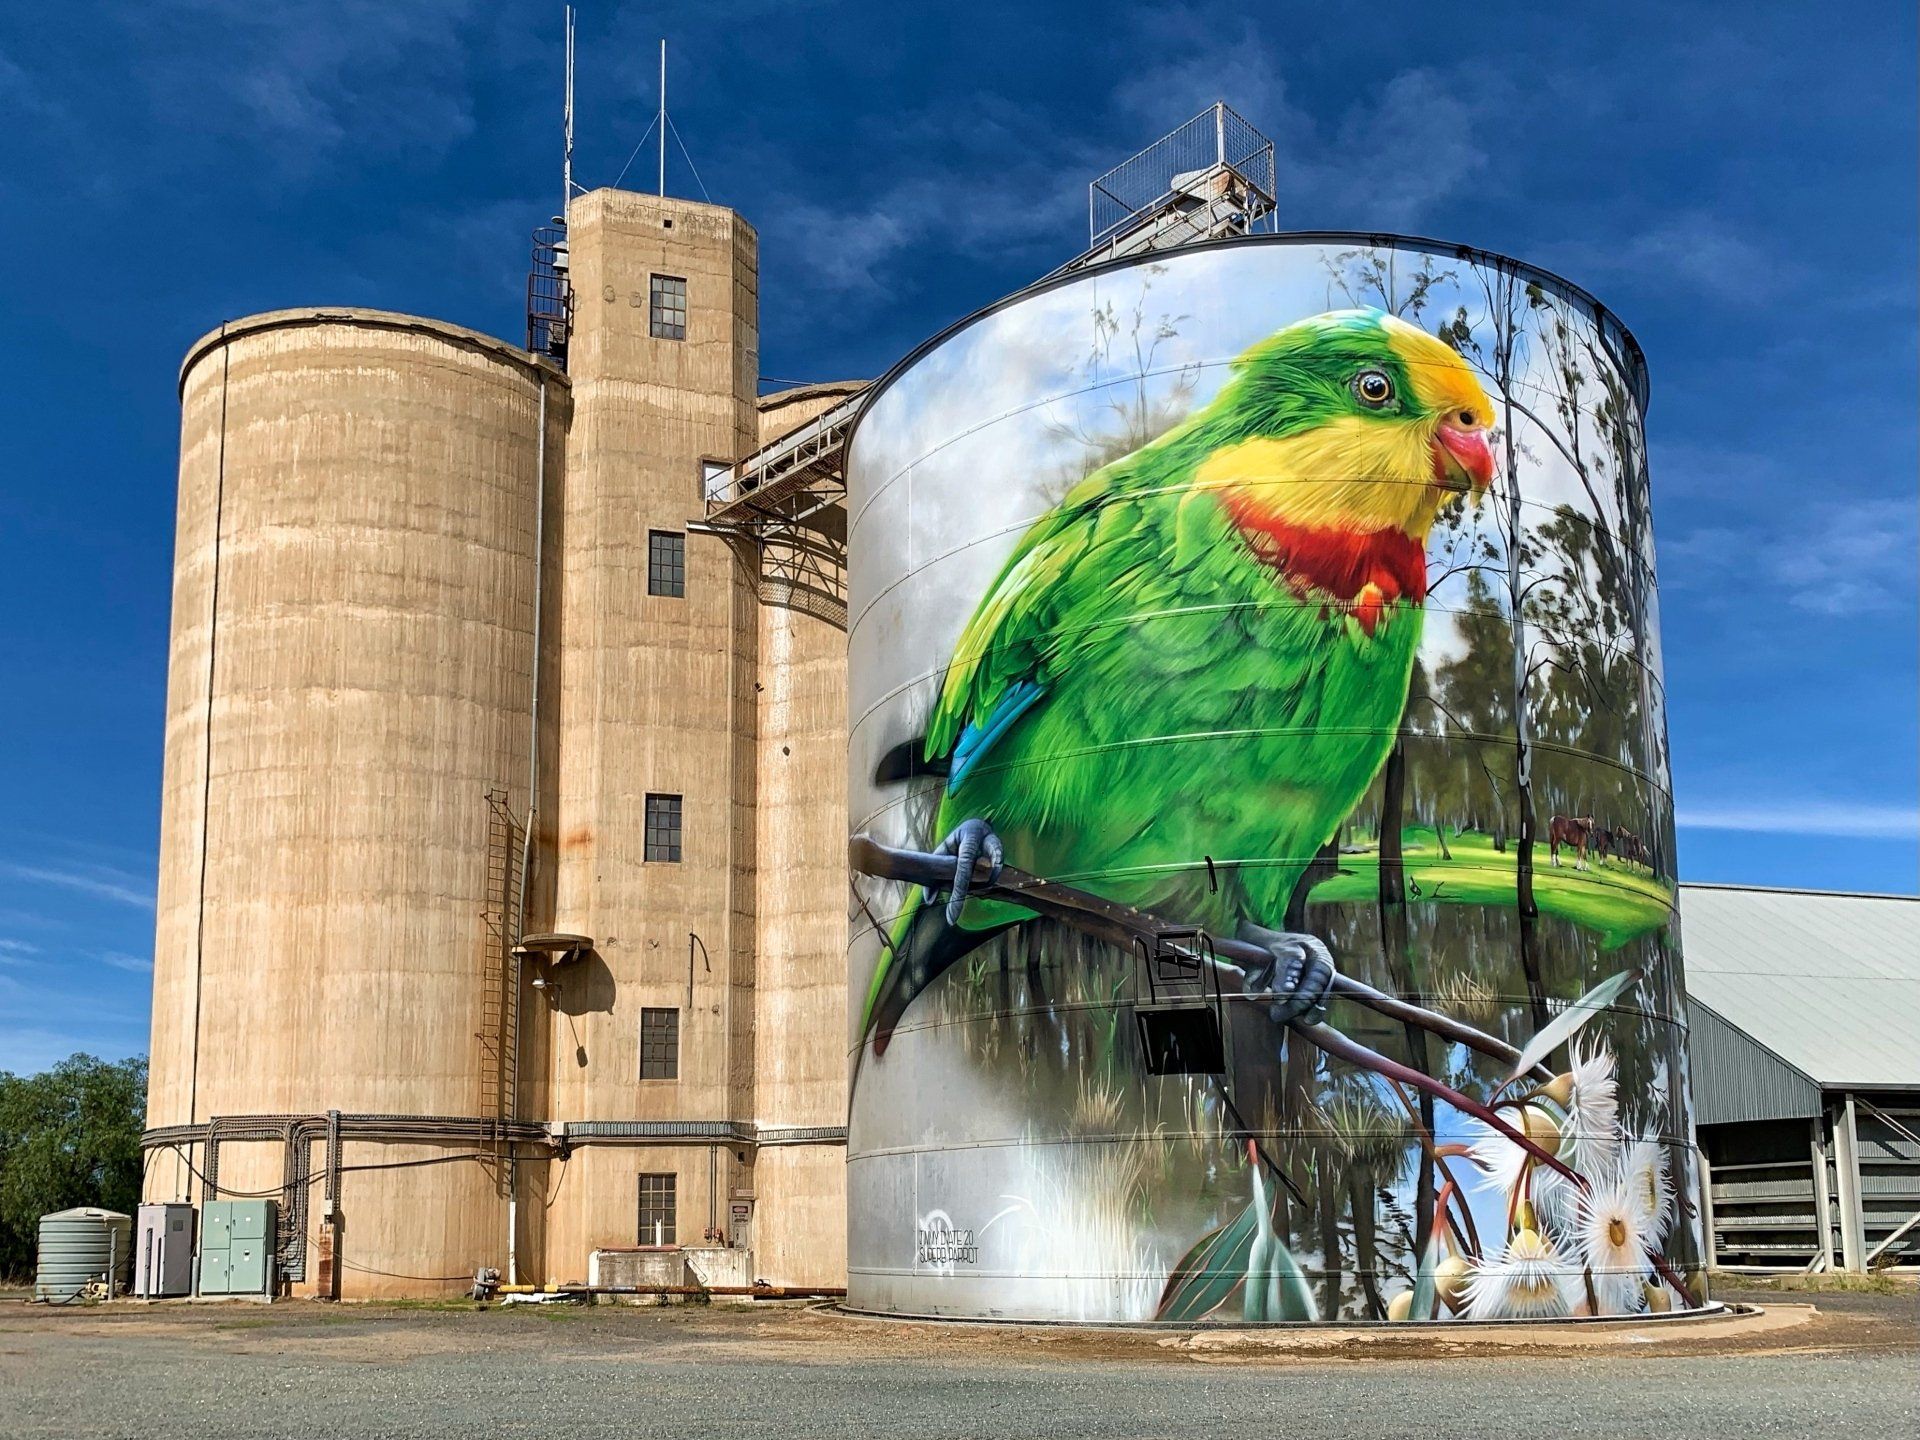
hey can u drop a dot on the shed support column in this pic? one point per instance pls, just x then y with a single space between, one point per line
1853 1243
1822 1197
1705 1173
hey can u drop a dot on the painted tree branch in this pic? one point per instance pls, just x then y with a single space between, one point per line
1123 925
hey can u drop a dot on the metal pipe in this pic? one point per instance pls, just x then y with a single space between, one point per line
758 1292
206 752
533 791
333 1163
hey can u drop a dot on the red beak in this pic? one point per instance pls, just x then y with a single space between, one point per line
1462 459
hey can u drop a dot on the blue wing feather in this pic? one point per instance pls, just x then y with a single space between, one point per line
979 736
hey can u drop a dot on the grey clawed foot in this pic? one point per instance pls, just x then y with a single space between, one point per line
967 842
1299 978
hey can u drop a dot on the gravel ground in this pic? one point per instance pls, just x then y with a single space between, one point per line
300 1369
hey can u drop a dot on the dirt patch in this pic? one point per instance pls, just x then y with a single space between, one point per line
805 1334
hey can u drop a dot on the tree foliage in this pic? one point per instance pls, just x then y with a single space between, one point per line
68 1136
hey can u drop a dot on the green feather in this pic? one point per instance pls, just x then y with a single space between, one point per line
1194 705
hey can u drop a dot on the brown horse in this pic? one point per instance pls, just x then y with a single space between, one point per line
1629 846
1576 831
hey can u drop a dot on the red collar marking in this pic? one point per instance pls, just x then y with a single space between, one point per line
1362 571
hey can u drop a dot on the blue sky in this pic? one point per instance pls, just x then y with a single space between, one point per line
1738 183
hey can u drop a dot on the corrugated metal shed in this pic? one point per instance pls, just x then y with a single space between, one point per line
1823 984
1735 1079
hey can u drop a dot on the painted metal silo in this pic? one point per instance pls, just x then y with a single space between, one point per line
79 1248
1258 603
351 675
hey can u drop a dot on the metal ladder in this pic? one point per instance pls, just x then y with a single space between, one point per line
499 1032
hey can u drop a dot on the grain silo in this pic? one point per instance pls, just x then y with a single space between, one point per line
351 680
443 1049
1259 599
800 990
1262 596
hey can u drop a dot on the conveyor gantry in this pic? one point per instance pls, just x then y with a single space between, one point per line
790 480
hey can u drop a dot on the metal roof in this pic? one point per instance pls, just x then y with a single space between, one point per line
1827 983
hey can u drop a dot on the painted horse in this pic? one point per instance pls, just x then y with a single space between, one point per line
1577 832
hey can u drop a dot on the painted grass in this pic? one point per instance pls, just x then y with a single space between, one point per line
1618 900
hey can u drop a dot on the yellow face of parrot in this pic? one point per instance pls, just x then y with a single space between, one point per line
1386 423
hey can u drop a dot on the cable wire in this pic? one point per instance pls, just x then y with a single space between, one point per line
674 130
636 153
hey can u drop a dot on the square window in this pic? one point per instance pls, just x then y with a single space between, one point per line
663 828
657 1209
667 307
666 563
659 1044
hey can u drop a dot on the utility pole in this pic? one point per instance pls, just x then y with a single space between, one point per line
566 165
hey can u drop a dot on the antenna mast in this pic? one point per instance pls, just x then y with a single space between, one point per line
566 165
662 119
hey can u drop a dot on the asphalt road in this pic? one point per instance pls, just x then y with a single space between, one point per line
346 1372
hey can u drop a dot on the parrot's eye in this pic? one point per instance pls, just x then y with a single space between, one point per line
1373 389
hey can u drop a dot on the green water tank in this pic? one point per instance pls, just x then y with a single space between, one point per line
81 1247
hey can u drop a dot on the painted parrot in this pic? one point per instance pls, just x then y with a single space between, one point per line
1204 650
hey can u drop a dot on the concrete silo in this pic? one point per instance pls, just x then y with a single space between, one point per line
602 1040
800 1084
350 677
1259 595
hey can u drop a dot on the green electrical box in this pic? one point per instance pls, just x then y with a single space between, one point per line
236 1247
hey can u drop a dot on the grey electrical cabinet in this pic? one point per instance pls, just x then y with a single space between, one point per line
163 1251
236 1247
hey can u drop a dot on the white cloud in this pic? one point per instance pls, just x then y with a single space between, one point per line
1842 558
1852 558
1843 819
1019 187
99 880
119 960
298 80
1695 251
1387 162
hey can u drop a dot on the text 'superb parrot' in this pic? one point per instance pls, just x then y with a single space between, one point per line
1204 650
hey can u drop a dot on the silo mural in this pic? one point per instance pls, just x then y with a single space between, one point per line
1262 868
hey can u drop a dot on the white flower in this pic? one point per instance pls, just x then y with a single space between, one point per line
1591 1142
1556 1200
1643 1171
1612 1230
1497 1159
1500 1160
1529 1282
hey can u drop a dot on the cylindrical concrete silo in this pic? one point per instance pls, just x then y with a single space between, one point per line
1195 580
350 676
800 982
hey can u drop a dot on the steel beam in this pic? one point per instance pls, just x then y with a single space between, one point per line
1853 1239
1822 1198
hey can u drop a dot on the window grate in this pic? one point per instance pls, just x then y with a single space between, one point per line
667 307
663 828
659 1044
658 1209
666 563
